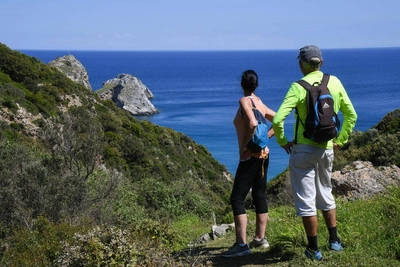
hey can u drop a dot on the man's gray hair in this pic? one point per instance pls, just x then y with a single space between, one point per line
312 65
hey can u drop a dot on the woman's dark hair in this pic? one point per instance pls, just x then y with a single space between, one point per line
249 81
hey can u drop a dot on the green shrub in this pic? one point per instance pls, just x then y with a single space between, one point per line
4 78
38 246
159 235
8 103
12 92
126 206
17 126
390 123
377 146
107 246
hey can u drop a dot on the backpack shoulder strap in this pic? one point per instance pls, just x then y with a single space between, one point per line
252 103
305 84
241 109
325 80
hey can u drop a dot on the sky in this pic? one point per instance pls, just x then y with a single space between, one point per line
164 25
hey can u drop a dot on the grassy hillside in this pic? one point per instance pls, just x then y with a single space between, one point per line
70 162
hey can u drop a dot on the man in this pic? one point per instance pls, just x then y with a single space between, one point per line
310 162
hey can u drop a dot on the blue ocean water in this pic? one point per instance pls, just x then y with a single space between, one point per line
197 93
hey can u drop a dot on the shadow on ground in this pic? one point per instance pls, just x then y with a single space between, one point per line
211 256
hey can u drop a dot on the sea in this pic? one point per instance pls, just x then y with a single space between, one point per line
197 92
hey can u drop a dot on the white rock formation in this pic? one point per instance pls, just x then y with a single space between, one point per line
129 93
73 69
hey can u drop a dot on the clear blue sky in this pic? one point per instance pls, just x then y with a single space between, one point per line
198 25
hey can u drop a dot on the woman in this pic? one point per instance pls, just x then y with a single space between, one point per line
251 171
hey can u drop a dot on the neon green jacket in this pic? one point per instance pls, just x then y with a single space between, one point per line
296 97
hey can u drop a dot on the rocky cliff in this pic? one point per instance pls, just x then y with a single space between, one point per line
129 93
361 180
73 69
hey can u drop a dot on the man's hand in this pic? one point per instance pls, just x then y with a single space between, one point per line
336 146
288 147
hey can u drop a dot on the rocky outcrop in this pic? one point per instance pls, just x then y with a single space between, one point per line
129 93
73 69
361 180
22 117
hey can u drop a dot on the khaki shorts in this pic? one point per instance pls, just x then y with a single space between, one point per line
310 176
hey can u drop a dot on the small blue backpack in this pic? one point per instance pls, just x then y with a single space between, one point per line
260 139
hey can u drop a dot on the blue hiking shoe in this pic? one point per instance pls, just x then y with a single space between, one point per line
313 254
335 245
236 251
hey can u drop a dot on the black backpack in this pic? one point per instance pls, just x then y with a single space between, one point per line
322 123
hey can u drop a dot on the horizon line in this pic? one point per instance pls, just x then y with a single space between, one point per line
196 50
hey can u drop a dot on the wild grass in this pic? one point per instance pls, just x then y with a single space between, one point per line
369 230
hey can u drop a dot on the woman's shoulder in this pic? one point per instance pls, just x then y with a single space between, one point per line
244 100
250 98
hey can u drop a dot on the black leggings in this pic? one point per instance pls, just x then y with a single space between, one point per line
248 176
